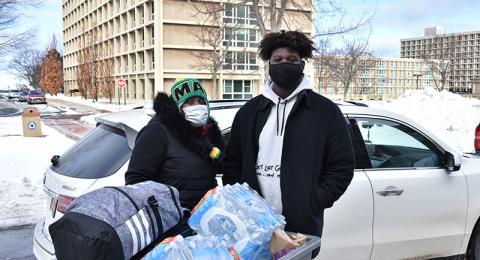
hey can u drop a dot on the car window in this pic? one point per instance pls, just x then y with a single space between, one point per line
99 154
362 160
393 145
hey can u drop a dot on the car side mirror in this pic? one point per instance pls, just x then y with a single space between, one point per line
450 163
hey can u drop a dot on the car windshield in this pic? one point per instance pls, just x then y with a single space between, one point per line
98 154
35 92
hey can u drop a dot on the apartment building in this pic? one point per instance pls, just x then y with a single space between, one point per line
153 43
385 78
459 53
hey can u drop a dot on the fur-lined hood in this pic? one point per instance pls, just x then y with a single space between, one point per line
168 114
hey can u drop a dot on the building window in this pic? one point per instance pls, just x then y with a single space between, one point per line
237 89
240 61
241 37
428 83
239 14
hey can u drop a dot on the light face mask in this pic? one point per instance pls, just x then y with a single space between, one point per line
197 115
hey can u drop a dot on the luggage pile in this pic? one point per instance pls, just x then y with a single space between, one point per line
130 222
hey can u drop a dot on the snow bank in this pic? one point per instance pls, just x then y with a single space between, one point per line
102 104
448 115
23 162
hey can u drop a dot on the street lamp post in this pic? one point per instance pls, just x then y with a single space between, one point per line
417 75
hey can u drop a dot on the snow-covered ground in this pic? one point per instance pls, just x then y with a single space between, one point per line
23 161
449 116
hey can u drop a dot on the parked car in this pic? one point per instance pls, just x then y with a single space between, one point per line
477 139
412 195
36 97
23 96
13 93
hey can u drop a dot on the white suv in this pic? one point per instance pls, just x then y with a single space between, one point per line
412 196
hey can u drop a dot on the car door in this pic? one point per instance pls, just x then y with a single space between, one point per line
347 231
420 207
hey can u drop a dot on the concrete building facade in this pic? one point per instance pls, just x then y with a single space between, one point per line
461 50
153 43
387 78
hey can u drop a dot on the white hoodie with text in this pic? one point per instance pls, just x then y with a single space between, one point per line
271 143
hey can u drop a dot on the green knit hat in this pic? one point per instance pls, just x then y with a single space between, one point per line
186 88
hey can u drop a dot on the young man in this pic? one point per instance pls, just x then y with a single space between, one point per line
290 144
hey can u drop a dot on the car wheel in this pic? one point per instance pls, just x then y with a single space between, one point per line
473 251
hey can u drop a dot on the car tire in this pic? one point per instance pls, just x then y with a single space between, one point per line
473 250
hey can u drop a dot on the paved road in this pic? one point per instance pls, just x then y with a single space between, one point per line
55 115
17 243
7 107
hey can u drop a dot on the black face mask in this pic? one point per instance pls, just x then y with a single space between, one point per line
286 75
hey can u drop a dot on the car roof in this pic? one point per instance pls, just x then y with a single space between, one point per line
223 112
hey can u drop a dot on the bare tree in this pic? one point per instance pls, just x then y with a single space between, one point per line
10 14
217 36
87 70
105 71
83 73
274 15
326 10
344 64
26 65
319 63
441 56
94 57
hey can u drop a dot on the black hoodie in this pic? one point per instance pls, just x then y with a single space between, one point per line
317 160
171 151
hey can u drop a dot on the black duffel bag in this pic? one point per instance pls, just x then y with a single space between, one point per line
117 222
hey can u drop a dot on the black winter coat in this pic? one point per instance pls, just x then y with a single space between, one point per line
171 151
317 157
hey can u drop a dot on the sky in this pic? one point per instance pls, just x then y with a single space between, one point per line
46 19
393 20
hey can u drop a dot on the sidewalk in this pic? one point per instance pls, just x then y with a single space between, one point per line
101 105
76 106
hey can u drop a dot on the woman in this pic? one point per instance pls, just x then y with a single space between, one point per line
181 145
